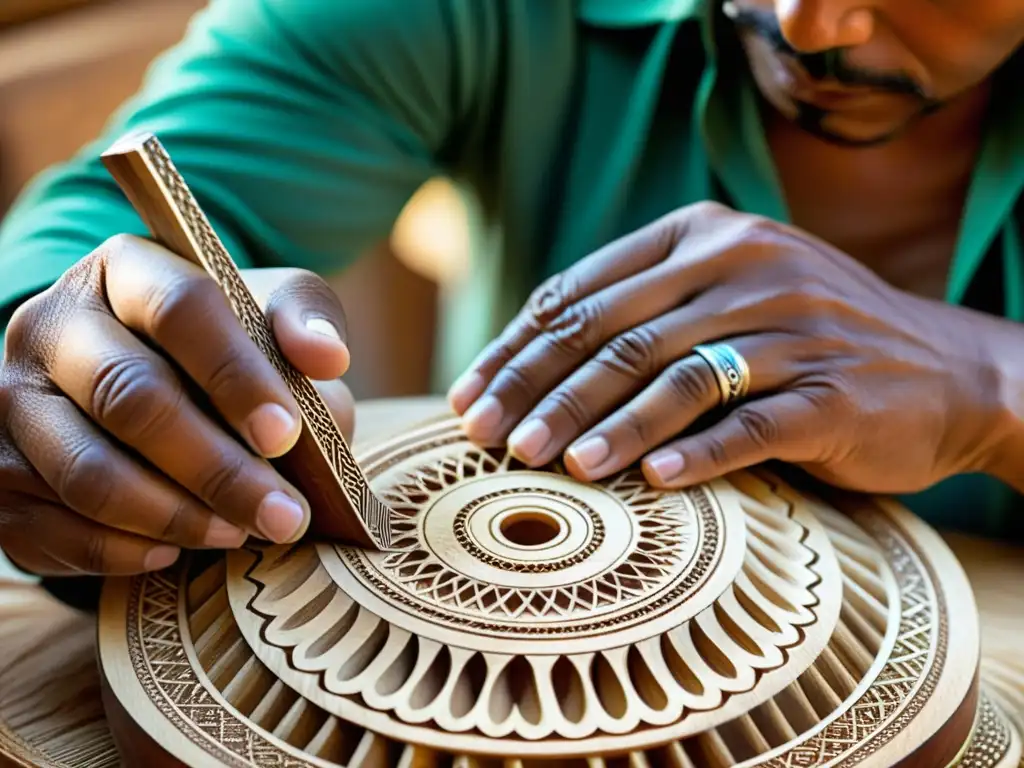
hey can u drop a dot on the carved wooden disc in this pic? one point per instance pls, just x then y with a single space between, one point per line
526 616
523 605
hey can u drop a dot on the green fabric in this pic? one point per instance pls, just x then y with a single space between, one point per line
305 127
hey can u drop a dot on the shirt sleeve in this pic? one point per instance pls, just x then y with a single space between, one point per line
302 127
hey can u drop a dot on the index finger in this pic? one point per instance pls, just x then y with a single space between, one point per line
185 313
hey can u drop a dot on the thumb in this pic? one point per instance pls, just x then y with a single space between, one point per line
308 322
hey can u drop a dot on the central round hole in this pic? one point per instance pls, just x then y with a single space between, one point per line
530 529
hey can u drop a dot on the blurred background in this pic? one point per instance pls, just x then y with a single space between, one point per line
66 65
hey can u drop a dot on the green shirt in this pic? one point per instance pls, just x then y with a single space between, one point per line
304 126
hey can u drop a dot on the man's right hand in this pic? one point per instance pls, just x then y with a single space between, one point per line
137 416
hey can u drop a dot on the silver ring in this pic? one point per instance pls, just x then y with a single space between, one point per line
730 369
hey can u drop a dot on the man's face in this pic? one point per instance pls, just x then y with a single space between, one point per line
859 71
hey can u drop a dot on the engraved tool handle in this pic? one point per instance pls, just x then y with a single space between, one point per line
321 464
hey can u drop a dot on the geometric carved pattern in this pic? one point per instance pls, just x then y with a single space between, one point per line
565 643
341 652
667 531
165 670
190 702
906 681
992 740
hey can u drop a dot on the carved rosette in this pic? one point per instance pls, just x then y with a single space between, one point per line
522 614
523 605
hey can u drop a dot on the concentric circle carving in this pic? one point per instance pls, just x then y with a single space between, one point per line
627 554
574 526
202 682
629 608
624 556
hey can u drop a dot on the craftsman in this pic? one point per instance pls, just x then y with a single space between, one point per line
762 229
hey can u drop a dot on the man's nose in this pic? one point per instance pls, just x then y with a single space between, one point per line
811 26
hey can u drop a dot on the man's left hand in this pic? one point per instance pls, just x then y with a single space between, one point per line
863 385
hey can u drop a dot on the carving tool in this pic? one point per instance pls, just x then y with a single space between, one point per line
321 465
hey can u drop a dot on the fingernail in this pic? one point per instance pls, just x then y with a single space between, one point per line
483 418
327 330
591 453
529 439
280 517
160 557
223 535
272 430
665 466
467 388
323 327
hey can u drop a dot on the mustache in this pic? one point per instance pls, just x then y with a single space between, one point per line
824 65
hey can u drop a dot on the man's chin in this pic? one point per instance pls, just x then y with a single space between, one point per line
848 140
845 131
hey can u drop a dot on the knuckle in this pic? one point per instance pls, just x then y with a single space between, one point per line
691 382
113 247
176 530
632 424
577 329
179 299
18 335
667 231
16 474
760 428
633 353
755 229
515 381
779 241
838 398
220 481
832 404
83 282
571 405
95 553
818 301
550 299
229 376
36 325
33 333
130 398
84 482
705 208
717 452
504 348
